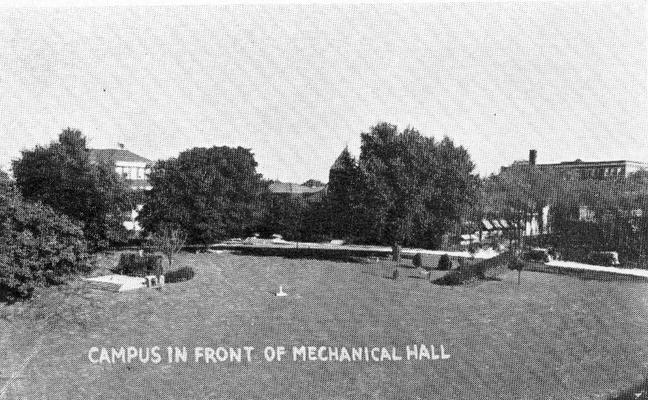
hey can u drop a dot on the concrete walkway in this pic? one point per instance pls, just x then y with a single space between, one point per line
481 254
587 267
117 283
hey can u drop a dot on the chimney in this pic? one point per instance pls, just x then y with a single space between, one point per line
533 155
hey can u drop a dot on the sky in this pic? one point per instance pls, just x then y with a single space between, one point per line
298 83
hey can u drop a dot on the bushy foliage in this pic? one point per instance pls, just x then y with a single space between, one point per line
414 188
345 192
210 193
168 241
444 263
477 272
605 258
38 247
62 176
417 261
132 264
516 264
179 275
536 256
285 215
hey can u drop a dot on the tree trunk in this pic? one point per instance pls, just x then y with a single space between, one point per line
396 250
519 273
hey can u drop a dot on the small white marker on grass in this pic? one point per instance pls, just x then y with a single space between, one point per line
281 293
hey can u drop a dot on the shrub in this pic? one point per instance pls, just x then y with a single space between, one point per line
179 275
492 266
536 255
417 260
444 263
518 265
605 258
169 241
459 277
133 264
38 247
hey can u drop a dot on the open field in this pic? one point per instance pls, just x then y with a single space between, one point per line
554 337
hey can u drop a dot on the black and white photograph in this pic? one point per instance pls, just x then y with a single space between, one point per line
327 200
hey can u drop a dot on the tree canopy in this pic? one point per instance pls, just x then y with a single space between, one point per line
62 176
345 193
414 187
37 246
209 193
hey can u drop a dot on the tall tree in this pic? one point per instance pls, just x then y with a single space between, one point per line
38 246
62 176
209 193
344 196
284 214
415 188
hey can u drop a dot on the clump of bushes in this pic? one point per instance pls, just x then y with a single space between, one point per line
179 275
38 247
133 264
605 258
493 266
417 261
536 255
444 263
461 276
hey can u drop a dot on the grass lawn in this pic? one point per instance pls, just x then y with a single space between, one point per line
553 337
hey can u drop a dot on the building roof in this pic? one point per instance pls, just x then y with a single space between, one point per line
111 156
293 188
588 164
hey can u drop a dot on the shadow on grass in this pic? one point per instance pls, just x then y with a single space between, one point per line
342 255
637 392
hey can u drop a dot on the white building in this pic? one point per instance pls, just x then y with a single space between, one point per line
133 168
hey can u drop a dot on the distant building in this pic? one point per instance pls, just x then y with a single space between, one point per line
133 168
310 193
130 166
590 169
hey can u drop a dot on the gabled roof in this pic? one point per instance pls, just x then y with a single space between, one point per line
110 156
293 188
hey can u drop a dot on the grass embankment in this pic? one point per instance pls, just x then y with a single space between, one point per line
550 337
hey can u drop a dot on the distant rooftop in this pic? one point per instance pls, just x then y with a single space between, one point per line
115 155
293 188
579 162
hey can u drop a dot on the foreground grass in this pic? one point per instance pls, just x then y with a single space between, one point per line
553 337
